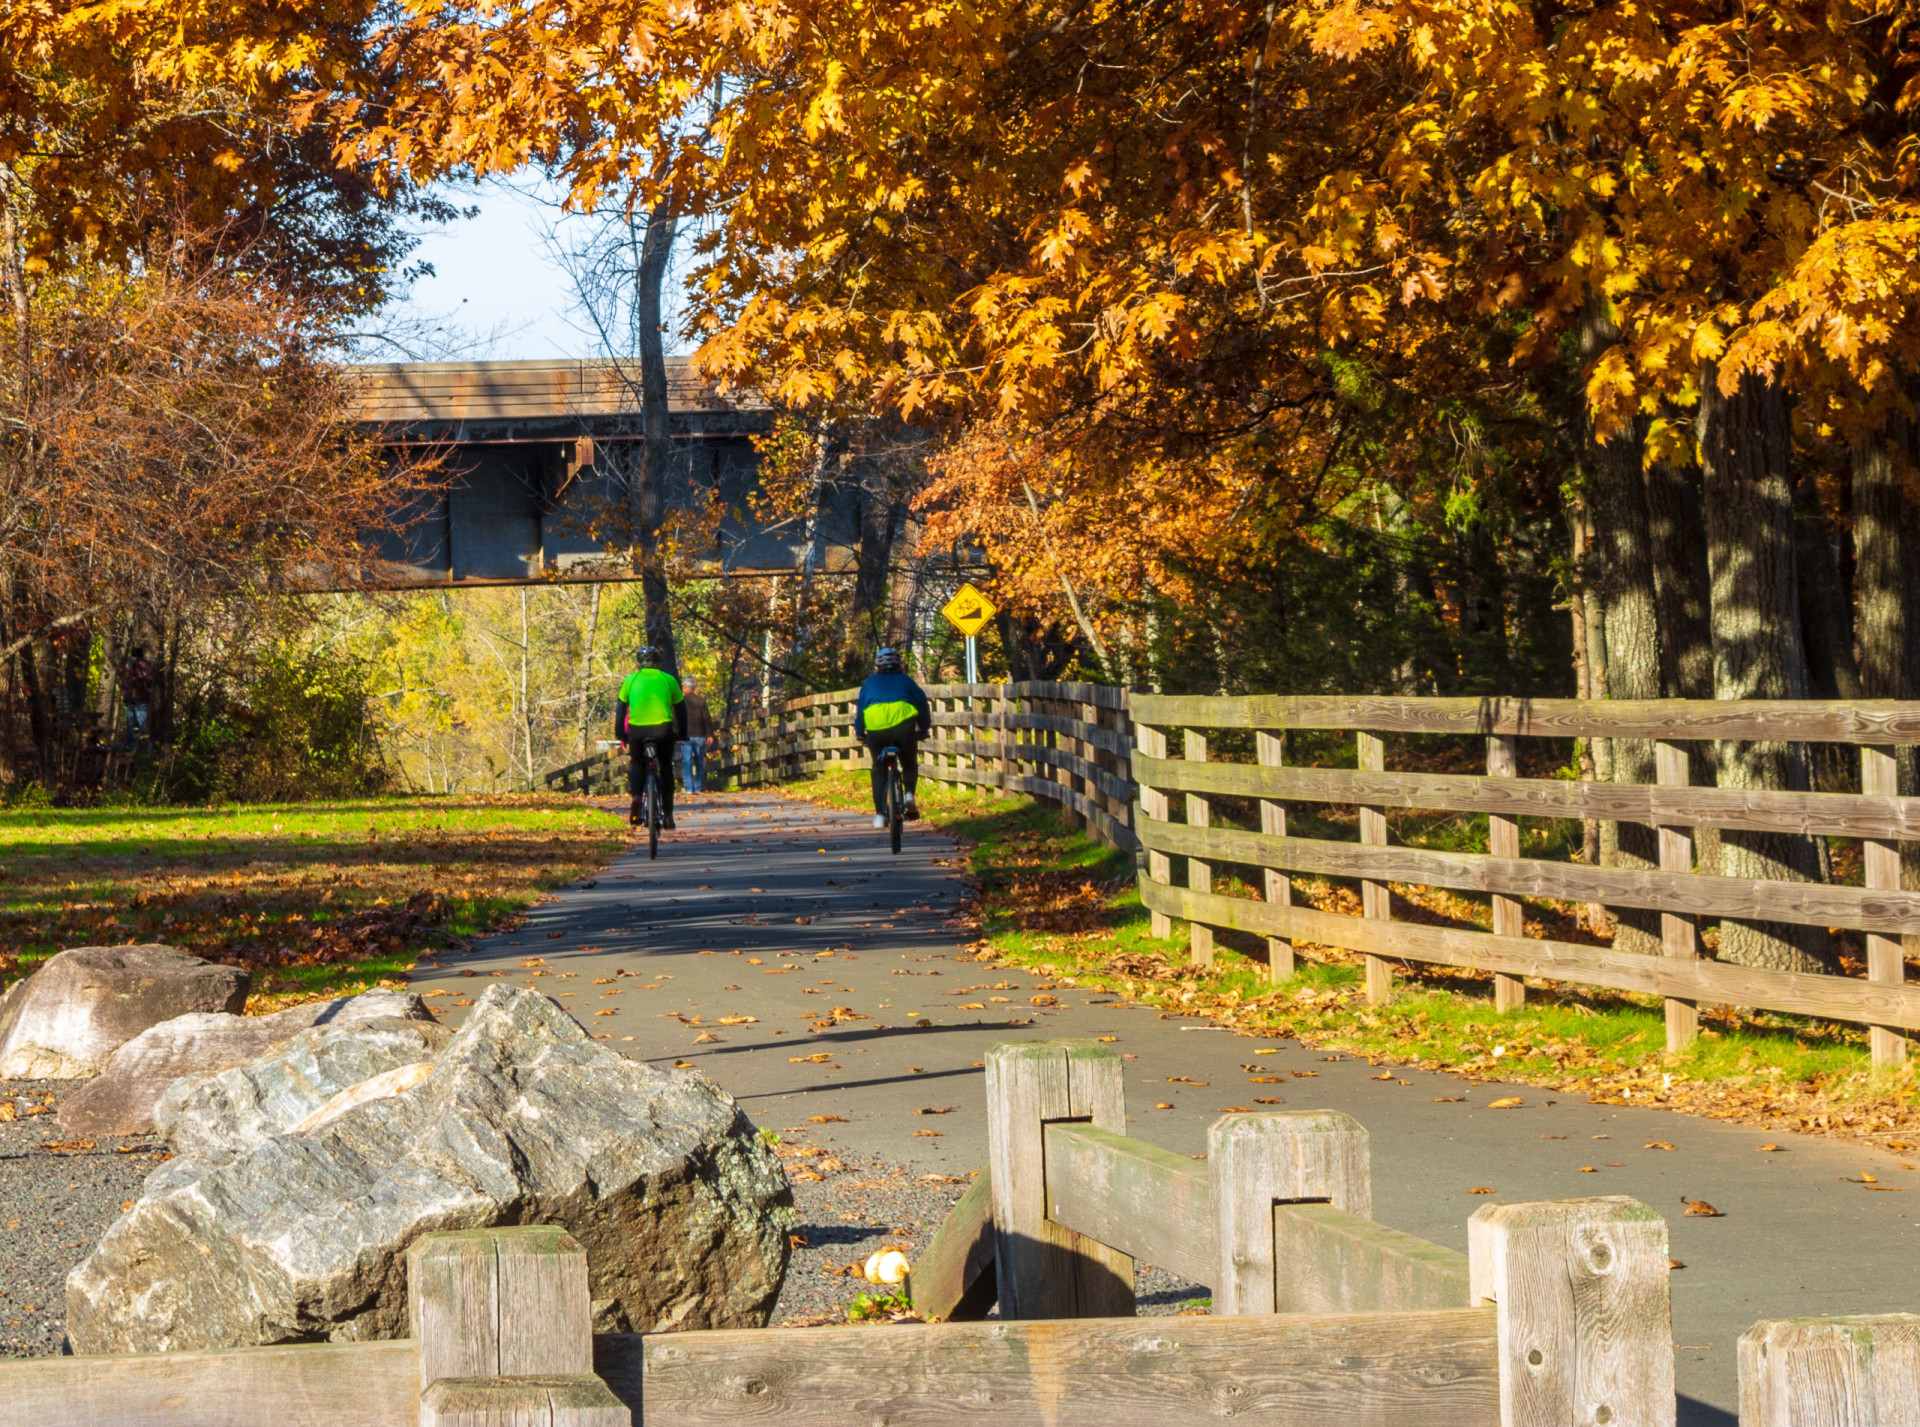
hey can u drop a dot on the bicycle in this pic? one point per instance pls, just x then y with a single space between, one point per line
650 812
896 797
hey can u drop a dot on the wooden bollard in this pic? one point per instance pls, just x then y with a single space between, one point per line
1042 1269
1257 1161
506 1330
1579 1287
1831 1372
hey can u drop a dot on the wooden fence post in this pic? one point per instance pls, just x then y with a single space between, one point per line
1199 874
1585 1328
1831 1372
1003 738
1503 840
1257 1161
1153 743
1375 899
1886 955
1271 750
1679 934
505 1330
1044 1270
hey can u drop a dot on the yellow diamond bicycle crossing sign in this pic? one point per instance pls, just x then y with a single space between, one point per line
969 611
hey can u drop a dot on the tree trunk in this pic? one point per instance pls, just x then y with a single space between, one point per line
1624 550
1677 525
800 636
656 447
1826 629
1886 541
877 498
1757 651
586 675
1677 530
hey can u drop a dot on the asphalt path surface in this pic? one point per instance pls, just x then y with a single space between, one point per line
866 1009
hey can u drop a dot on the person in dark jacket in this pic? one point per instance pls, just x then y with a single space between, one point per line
693 752
652 708
892 713
136 693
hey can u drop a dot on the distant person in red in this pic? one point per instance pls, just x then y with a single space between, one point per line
136 692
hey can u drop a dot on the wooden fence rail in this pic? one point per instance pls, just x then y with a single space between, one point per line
1107 755
1066 743
1556 1317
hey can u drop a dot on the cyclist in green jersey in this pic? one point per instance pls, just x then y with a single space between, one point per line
651 709
892 713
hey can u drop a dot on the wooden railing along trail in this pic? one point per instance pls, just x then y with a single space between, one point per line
1115 760
1557 1316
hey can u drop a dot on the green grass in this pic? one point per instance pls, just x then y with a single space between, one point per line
313 898
1056 902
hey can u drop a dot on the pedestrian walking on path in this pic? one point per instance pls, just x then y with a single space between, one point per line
693 749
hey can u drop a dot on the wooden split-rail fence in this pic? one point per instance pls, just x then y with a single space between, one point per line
1199 788
1557 1316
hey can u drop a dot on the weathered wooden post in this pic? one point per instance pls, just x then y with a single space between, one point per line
1375 899
1152 743
1831 1372
505 1331
1270 748
1258 1161
1043 1270
1585 1327
1503 840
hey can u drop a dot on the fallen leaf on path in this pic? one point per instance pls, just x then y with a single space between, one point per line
1588 1169
1656 1145
1265 1079
928 1134
1553 1137
609 1011
1898 1145
738 1020
1106 1040
1769 1149
1506 1102
1384 1075
1481 1189
1700 1209
1266 1052
1236 1110
1268 1100
66 1146
826 1119
1296 1074
929 1110
824 1055
705 1038
1164 1105
1675 1263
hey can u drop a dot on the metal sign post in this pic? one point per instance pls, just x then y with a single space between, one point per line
968 611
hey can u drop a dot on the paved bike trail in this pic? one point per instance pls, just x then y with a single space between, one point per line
799 917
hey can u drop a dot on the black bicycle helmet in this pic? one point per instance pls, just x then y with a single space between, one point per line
647 657
889 661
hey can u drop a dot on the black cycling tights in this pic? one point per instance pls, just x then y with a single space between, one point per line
909 766
661 736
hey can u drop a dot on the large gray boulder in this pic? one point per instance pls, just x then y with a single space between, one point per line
267 1235
210 1119
121 1100
62 1022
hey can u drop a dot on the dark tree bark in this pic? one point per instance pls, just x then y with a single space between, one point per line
656 447
1826 628
1757 650
1886 543
878 496
1618 502
1677 534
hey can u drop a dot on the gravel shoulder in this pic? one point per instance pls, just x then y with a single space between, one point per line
57 1197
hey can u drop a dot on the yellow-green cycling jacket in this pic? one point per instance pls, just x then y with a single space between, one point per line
892 704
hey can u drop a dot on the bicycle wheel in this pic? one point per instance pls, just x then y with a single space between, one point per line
653 811
896 806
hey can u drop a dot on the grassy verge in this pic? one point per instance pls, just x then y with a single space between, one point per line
1052 900
315 899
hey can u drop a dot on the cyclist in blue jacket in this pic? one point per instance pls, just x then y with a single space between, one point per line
892 713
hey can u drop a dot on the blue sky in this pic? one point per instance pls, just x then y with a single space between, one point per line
496 290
